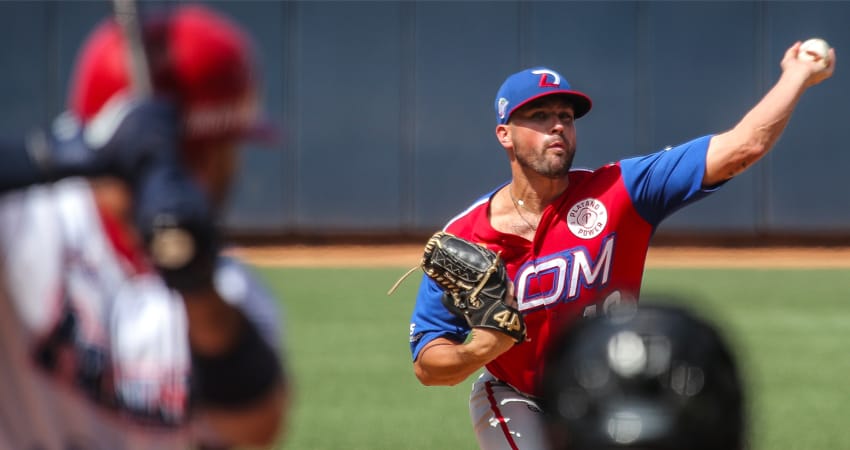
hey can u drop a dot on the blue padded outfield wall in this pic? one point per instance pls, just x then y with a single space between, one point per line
386 108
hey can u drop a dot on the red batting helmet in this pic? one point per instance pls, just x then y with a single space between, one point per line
198 58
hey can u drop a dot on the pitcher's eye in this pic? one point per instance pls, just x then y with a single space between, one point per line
565 117
538 116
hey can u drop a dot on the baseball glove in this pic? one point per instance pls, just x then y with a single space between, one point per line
474 281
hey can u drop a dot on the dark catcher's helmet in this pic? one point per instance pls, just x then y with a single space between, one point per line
653 378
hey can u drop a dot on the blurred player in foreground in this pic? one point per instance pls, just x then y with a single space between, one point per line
574 242
654 378
121 325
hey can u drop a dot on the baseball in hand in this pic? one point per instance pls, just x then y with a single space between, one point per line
815 49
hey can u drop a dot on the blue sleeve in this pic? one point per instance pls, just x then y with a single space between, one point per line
665 181
432 320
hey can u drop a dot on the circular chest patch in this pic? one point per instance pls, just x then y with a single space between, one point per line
587 218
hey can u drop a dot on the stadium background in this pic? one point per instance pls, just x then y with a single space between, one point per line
386 108
387 118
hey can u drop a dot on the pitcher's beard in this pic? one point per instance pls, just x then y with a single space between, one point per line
546 166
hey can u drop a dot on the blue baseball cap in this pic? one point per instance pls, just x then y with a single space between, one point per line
531 84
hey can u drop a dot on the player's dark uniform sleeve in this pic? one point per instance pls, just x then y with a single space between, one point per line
663 182
432 320
18 169
254 367
129 137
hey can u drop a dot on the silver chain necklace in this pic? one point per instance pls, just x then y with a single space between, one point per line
517 205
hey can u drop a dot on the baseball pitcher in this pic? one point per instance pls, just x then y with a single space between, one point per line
573 242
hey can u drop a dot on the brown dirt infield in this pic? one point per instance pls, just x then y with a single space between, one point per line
407 255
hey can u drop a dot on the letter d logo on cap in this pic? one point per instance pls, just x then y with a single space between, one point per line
556 79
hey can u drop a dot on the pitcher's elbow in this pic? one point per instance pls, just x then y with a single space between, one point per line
426 378
422 375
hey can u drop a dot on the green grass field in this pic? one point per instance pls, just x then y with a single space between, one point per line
355 389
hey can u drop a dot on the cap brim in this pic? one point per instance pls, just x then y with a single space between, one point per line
581 102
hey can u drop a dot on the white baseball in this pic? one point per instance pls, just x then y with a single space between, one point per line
815 49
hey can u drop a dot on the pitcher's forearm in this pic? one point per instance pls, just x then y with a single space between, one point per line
446 363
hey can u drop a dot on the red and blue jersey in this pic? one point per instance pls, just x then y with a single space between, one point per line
588 252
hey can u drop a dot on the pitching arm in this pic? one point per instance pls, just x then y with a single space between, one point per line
732 152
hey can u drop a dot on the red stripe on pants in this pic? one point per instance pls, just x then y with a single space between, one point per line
502 422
